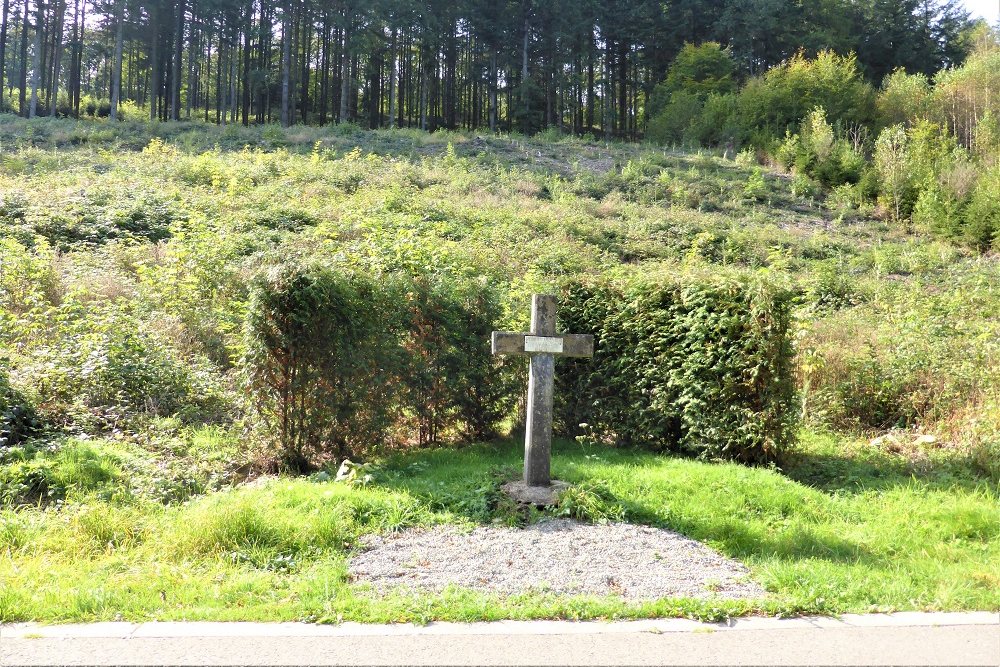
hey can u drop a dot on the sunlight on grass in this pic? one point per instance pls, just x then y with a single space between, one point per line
278 548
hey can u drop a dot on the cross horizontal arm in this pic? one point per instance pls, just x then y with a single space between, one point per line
563 345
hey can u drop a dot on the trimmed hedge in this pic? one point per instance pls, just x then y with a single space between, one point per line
338 363
701 366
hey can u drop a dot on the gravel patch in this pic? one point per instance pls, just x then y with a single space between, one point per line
557 555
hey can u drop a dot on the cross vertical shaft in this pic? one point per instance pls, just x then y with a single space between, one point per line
538 429
542 345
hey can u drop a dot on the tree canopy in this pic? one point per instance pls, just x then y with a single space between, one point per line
580 65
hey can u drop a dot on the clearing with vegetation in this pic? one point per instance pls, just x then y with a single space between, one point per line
153 273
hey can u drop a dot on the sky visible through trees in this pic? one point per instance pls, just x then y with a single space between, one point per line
985 9
520 65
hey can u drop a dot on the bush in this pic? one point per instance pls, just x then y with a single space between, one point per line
451 381
671 124
701 366
695 103
817 153
904 98
938 211
17 415
982 217
776 102
337 362
106 364
701 70
321 355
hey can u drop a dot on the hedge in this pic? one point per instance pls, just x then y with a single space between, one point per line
701 365
339 363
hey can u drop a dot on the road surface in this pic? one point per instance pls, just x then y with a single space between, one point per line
896 639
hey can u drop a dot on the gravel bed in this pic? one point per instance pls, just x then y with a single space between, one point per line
557 555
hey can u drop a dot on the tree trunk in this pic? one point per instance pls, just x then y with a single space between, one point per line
524 73
154 62
57 58
306 39
345 78
286 65
194 47
494 84
77 73
324 69
175 76
36 62
392 82
424 75
3 47
22 101
591 98
116 73
234 72
623 53
606 118
245 111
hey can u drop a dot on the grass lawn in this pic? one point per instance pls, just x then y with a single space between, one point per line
843 528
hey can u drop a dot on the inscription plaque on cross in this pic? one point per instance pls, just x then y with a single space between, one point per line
542 344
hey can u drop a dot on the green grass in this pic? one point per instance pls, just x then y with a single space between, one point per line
842 529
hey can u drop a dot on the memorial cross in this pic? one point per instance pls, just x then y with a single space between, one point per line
542 344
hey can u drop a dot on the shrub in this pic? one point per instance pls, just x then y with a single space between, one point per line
938 211
671 124
716 125
756 186
891 156
106 363
695 365
321 354
694 103
17 415
452 380
982 217
781 98
904 98
816 152
702 70
336 362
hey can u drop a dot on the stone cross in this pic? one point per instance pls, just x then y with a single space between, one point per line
541 344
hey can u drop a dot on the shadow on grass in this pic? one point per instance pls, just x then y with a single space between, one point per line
842 473
466 483
741 539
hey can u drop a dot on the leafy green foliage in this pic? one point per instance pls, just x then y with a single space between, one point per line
904 98
319 362
778 101
105 364
876 303
451 379
817 152
17 416
698 81
696 366
335 361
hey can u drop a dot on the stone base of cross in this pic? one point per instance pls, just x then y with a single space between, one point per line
542 345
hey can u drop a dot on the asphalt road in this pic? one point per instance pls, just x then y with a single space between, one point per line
904 639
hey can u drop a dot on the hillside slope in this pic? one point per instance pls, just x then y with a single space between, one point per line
162 225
